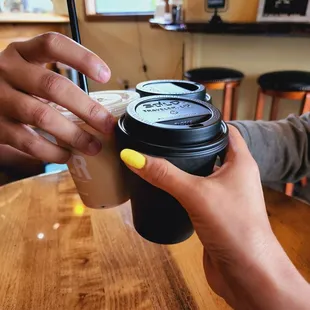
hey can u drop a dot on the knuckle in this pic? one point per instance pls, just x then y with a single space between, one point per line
51 83
252 166
4 63
93 109
255 168
50 40
4 135
80 139
8 58
41 115
5 92
29 145
11 46
159 171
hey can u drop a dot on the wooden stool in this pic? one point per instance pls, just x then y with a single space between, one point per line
294 85
224 79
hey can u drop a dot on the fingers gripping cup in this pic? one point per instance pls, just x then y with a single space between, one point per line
182 88
187 132
99 179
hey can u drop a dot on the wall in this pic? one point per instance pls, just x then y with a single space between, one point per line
253 55
118 44
237 10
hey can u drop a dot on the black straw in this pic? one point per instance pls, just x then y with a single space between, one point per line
74 24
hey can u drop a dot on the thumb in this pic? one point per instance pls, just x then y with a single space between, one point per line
158 172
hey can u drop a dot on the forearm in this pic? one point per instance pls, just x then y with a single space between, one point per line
272 283
280 148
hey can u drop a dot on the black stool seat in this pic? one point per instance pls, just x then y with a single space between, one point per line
213 75
285 81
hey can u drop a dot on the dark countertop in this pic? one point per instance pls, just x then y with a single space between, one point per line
262 28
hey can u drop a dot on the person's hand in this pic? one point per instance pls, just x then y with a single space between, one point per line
243 261
26 85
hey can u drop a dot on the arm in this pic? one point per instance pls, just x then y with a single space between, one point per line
280 148
243 260
272 282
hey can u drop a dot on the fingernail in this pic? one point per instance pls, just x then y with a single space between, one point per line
104 74
133 159
94 147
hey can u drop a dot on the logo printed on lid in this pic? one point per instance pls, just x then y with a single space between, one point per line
166 125
166 110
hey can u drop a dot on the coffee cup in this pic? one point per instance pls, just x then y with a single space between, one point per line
181 88
187 132
99 179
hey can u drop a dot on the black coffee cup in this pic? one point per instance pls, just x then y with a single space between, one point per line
187 132
188 89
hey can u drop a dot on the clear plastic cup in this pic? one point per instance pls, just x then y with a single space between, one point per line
99 179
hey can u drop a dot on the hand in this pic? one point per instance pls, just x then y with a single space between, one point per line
243 261
24 80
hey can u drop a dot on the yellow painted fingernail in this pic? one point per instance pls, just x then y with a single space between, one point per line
133 158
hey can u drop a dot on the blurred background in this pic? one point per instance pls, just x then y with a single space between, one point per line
163 39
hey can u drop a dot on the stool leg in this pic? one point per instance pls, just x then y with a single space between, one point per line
305 104
228 94
274 108
235 100
259 113
289 189
304 182
304 109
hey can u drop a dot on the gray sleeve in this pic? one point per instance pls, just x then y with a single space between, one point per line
280 148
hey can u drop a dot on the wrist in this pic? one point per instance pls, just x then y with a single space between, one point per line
272 282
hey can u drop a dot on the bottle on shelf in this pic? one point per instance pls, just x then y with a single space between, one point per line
176 9
160 10
168 16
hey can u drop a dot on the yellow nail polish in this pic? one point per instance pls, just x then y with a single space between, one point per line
133 158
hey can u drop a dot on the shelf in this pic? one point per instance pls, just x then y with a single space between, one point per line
36 18
262 28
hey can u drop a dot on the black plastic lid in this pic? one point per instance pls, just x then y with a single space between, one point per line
174 124
182 88
208 98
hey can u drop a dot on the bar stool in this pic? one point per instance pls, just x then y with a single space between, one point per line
225 79
294 85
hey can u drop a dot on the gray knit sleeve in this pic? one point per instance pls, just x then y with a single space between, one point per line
280 148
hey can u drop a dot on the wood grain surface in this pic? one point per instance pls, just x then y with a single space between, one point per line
55 254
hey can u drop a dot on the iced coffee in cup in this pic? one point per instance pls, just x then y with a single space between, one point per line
99 179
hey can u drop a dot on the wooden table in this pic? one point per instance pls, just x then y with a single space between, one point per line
55 254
